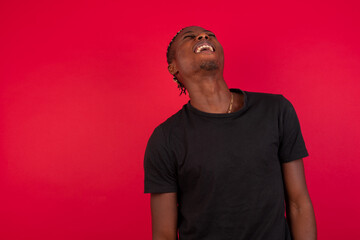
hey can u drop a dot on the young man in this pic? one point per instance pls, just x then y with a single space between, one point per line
224 166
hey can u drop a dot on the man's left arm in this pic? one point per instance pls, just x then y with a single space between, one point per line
299 209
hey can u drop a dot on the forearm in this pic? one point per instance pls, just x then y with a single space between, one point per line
164 237
302 222
165 233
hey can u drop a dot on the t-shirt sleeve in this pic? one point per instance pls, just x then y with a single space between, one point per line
159 165
292 145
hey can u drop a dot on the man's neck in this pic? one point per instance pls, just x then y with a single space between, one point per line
210 94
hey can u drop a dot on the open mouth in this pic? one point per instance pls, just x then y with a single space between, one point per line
204 46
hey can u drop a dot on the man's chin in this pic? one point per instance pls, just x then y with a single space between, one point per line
209 65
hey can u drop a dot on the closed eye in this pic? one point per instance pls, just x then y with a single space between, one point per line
189 36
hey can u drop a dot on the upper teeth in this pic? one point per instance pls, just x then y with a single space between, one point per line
198 49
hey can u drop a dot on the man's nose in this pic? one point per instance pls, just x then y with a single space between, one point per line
202 36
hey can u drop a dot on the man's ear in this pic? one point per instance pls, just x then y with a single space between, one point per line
172 69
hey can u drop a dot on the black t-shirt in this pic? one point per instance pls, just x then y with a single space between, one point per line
226 168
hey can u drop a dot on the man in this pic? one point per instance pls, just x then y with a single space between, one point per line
224 166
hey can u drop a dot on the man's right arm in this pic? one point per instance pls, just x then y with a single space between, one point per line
164 216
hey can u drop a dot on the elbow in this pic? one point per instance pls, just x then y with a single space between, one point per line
299 206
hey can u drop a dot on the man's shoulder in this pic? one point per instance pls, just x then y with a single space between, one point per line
269 101
173 121
264 96
264 99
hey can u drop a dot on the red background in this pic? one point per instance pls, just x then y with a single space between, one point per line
83 84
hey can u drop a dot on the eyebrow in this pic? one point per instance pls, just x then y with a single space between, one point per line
187 32
193 31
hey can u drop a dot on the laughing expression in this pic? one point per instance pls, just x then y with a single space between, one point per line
203 47
195 49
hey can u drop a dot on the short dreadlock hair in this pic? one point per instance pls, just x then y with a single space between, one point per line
170 54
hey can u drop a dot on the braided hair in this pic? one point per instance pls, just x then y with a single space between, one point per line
170 55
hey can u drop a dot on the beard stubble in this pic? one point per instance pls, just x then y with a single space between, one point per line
209 65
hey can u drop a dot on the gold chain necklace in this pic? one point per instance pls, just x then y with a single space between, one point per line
231 102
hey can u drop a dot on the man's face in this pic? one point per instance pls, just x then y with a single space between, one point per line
197 49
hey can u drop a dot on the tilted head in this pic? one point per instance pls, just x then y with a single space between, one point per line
194 50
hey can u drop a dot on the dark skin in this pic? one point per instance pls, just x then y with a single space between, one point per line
209 93
207 89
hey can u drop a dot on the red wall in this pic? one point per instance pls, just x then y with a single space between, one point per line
82 86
